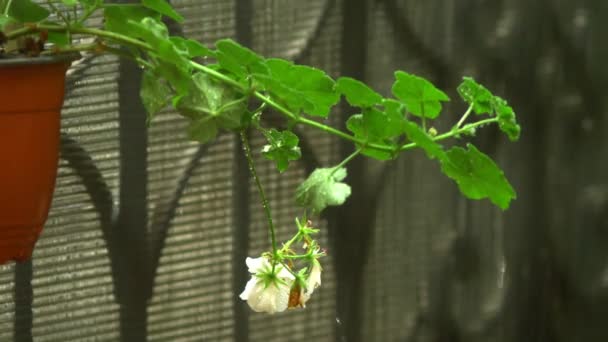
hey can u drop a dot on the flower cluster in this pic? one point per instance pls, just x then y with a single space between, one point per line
274 285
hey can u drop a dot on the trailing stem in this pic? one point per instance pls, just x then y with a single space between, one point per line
248 155
125 40
345 161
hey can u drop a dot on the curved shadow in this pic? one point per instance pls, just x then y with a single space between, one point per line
316 33
405 33
80 161
166 209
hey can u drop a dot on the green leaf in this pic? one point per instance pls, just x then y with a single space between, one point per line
70 2
211 106
202 130
375 126
506 118
300 87
59 39
155 32
207 96
357 93
393 118
164 8
394 107
122 18
5 20
484 102
282 148
419 95
191 48
323 188
155 93
89 4
416 135
477 175
177 76
173 62
357 126
476 95
27 11
238 59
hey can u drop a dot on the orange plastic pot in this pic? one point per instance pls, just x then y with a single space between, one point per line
31 97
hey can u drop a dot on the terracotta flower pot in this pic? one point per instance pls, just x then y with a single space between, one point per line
31 97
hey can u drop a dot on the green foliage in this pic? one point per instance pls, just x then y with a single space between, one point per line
171 60
506 119
191 48
60 39
122 18
416 135
381 121
214 97
282 148
357 93
477 175
300 87
155 33
27 11
155 93
90 4
323 188
162 7
237 59
476 95
420 96
375 126
484 102
4 21
210 106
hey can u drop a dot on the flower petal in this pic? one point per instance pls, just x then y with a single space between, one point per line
249 288
313 281
270 299
257 265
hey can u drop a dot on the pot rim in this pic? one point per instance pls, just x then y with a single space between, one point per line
8 61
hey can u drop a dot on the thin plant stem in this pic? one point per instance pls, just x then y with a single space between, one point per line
464 117
288 244
73 48
296 256
65 19
232 103
8 6
247 149
87 14
452 133
345 161
122 39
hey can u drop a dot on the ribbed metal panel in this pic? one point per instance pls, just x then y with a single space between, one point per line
160 256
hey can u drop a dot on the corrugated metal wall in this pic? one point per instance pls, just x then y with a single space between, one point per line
148 232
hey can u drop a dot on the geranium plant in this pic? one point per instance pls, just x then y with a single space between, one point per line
235 87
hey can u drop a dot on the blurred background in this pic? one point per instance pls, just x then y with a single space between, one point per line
148 233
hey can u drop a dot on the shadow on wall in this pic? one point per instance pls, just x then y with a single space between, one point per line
548 58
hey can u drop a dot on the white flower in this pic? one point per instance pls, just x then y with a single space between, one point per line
313 281
267 290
